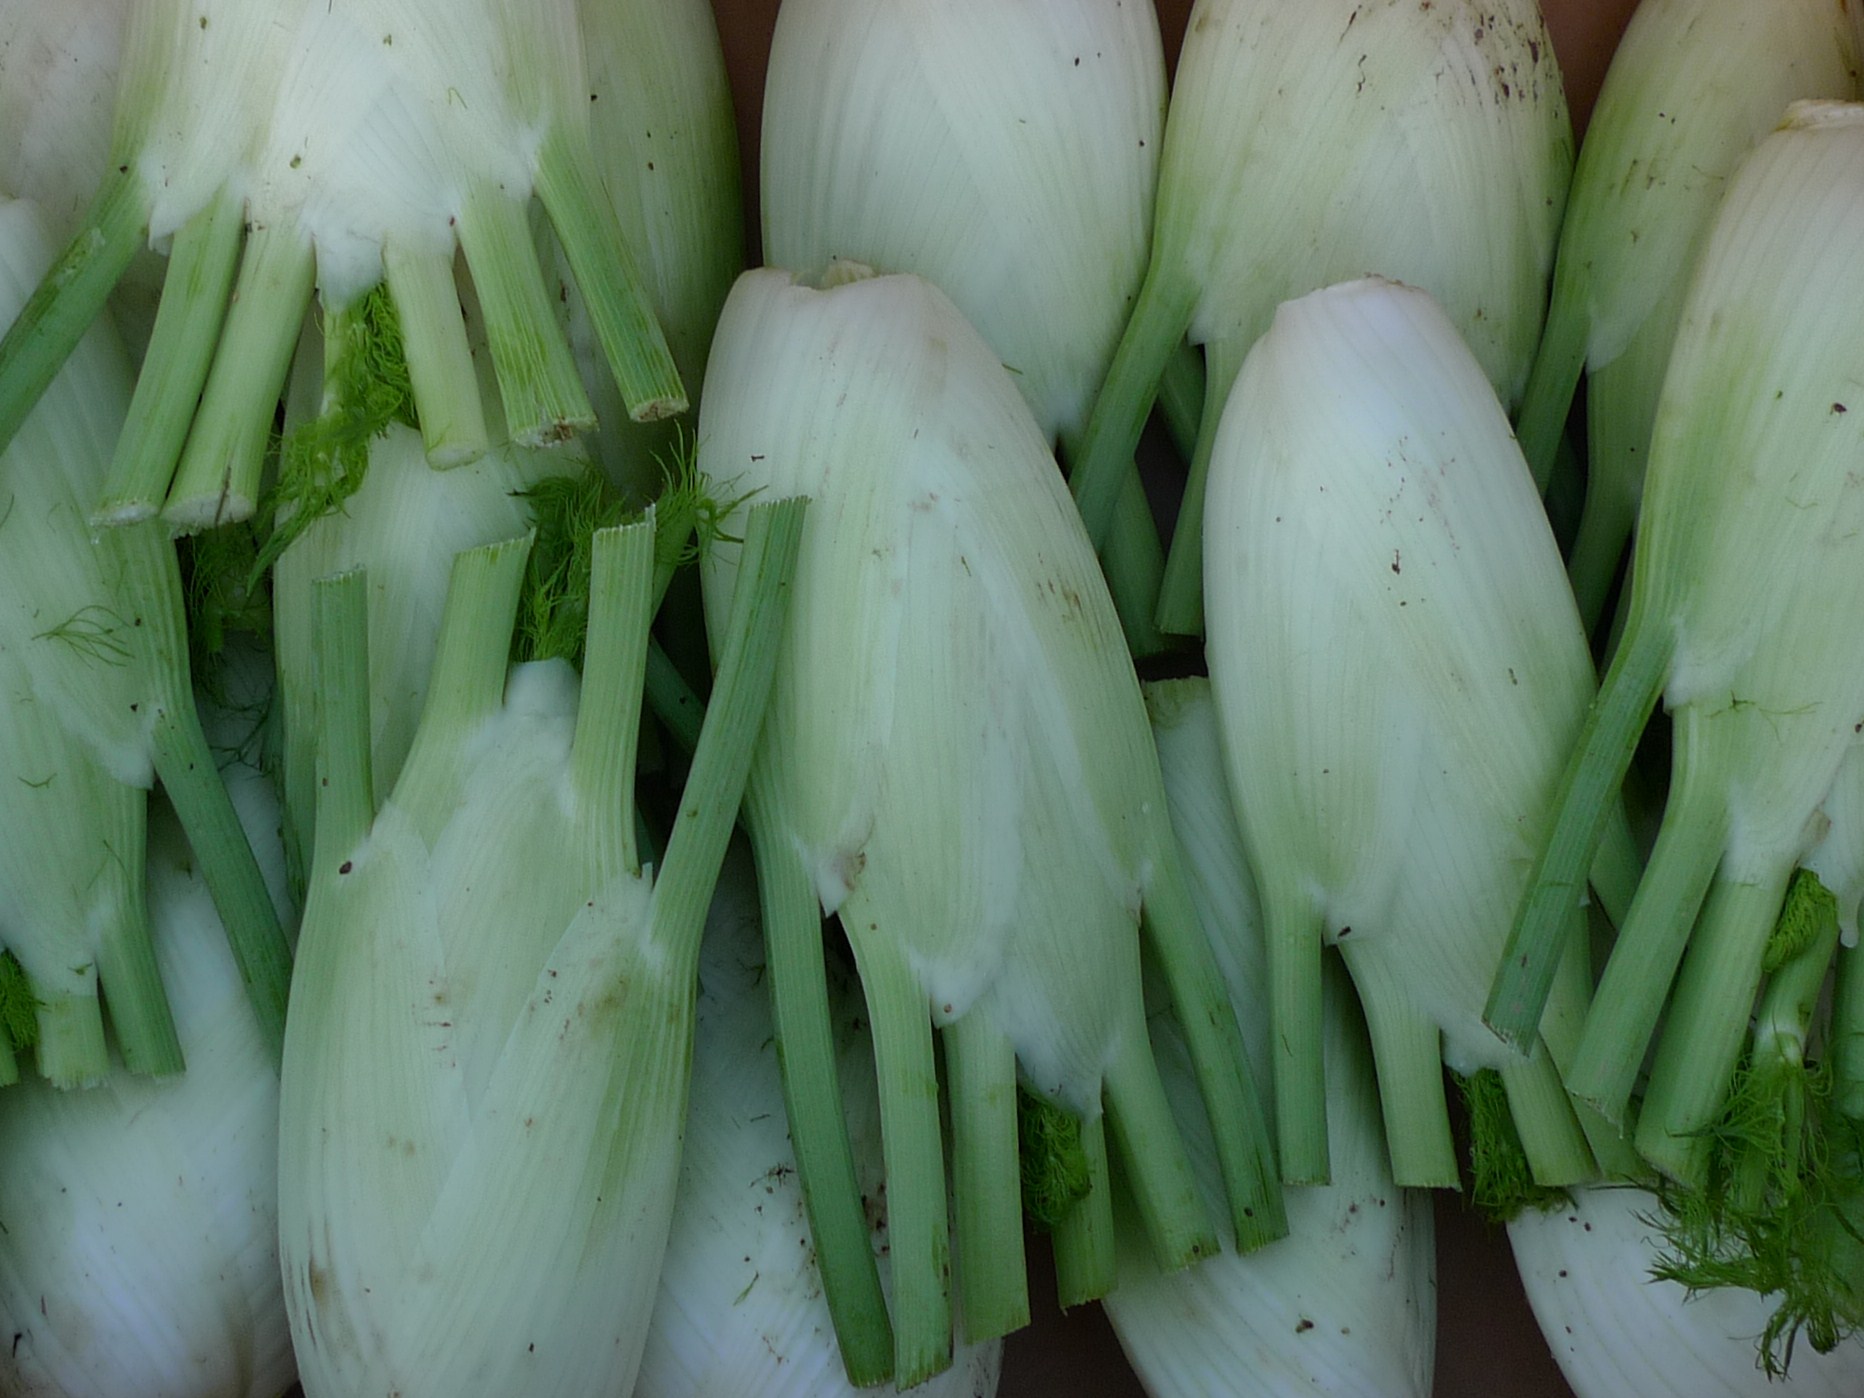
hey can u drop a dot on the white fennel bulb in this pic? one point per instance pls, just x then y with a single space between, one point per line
1692 86
957 762
1400 670
1746 570
1307 144
490 1039
1007 154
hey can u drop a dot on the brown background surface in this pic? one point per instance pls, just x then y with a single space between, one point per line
1487 1342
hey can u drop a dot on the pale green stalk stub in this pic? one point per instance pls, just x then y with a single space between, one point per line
1838 859
76 683
403 525
740 1310
1349 1296
663 133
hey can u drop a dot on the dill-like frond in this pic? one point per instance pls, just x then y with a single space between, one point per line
1054 1163
322 462
1501 1184
1781 1210
1807 911
93 631
19 1007
566 512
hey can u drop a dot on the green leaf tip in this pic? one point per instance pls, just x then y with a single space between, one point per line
322 462
1808 912
1501 1184
1054 1161
19 1007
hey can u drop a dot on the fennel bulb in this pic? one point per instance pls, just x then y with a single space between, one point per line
359 142
1746 573
740 1312
490 1039
1347 1302
1399 668
96 704
1615 1329
1692 86
1311 143
139 1253
1006 153
956 762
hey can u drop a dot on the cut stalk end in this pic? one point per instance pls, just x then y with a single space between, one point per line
1085 1243
201 267
993 1275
